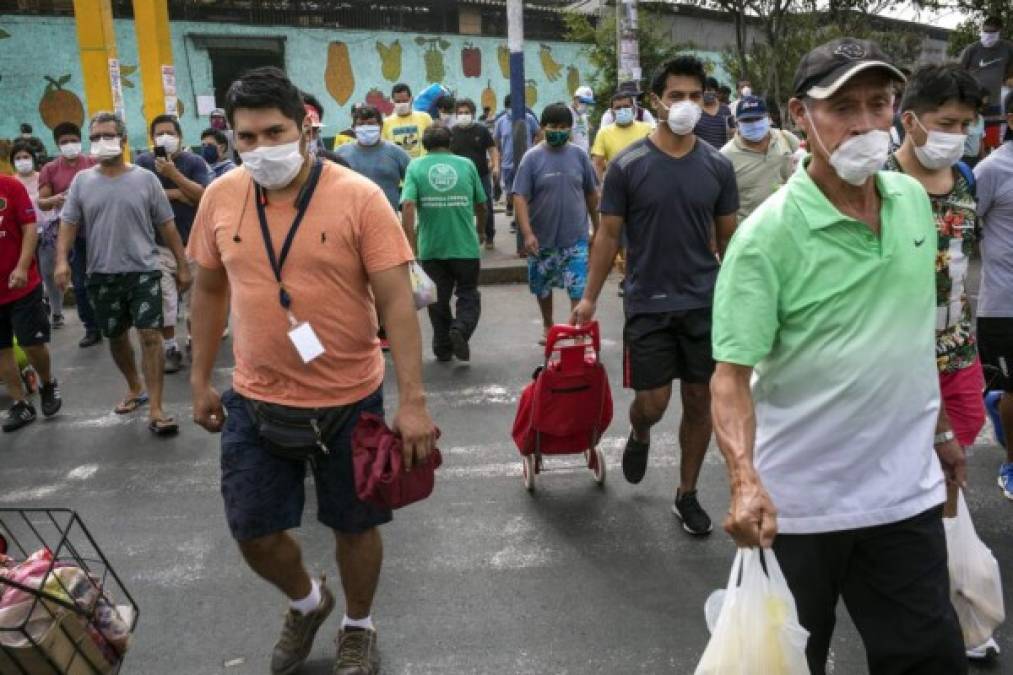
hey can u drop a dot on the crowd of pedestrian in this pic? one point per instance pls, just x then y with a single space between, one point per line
810 298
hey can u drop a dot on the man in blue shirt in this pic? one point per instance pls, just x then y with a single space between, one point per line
381 161
555 190
504 137
184 176
215 151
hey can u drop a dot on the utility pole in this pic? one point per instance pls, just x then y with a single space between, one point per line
627 46
515 41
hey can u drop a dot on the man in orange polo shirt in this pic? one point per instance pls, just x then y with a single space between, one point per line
308 252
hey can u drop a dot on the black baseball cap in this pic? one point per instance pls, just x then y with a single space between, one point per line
823 71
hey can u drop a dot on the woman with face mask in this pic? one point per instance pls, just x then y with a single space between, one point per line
47 226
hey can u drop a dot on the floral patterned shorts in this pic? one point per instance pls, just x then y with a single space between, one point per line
559 268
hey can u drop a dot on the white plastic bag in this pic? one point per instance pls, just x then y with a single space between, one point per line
975 583
423 288
757 630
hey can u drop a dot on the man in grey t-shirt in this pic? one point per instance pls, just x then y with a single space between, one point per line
555 190
989 60
675 198
120 206
994 177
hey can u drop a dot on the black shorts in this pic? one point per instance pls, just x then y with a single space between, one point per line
659 348
265 494
26 318
125 300
995 346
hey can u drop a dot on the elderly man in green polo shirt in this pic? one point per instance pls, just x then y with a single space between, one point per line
825 398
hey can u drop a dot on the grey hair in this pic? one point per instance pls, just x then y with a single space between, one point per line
105 116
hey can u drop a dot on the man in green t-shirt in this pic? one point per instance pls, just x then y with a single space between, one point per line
447 194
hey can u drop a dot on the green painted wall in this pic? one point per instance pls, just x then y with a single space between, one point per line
37 48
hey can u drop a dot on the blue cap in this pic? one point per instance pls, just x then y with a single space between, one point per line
750 107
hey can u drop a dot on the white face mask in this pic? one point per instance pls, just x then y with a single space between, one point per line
106 149
858 157
167 141
747 91
683 116
403 109
447 119
989 38
274 166
941 149
464 120
24 166
70 150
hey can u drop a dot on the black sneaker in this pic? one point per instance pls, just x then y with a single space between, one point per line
51 400
90 339
694 519
635 459
173 360
460 345
21 414
58 322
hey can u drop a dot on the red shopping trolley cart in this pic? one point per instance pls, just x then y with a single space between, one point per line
567 407
63 610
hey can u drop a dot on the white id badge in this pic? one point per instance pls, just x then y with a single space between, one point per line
306 342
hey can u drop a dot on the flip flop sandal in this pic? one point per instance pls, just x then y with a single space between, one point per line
163 427
129 405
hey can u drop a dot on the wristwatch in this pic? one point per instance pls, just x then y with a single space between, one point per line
944 437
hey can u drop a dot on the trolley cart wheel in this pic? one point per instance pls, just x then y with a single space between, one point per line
528 469
597 463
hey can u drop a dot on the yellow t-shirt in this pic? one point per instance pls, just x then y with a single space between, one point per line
613 139
406 132
340 140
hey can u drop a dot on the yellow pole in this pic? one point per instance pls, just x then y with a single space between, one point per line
154 51
100 66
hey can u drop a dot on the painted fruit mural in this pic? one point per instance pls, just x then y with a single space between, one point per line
572 79
549 65
338 77
435 69
489 97
376 99
58 105
390 60
503 54
471 60
531 93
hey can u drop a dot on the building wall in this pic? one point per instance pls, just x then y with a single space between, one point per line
341 67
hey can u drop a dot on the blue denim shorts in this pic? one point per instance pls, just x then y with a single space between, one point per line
265 494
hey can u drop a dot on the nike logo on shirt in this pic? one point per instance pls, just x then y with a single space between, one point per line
985 64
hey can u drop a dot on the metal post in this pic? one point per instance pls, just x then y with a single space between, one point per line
627 46
515 41
154 50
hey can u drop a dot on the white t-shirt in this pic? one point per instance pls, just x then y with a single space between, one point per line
581 133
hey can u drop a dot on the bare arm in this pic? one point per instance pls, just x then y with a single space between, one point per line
190 190
177 195
523 218
591 199
392 291
599 167
724 227
952 455
29 242
47 200
208 317
170 235
752 518
408 223
494 160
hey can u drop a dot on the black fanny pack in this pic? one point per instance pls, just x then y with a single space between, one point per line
297 433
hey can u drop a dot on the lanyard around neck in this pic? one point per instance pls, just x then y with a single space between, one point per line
302 203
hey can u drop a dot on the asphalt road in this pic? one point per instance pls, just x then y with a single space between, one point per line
481 578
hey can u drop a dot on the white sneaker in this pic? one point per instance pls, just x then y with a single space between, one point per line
985 652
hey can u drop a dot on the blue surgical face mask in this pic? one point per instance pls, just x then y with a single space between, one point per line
755 131
367 134
209 153
624 116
